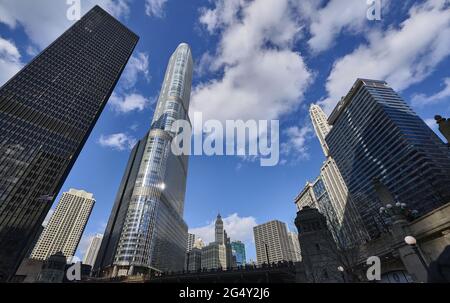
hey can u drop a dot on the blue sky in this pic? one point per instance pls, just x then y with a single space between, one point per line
263 59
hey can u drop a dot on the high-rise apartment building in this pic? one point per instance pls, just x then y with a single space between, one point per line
47 112
146 228
190 242
65 228
92 251
347 223
294 247
238 249
376 135
272 242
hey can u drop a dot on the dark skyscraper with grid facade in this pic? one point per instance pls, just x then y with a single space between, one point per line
47 112
376 135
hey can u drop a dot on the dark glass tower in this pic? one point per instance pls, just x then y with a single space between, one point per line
47 112
376 134
146 229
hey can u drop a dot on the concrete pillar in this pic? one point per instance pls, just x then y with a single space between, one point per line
131 270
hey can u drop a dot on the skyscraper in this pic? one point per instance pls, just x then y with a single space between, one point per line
92 251
47 112
194 259
347 223
321 126
214 256
294 247
231 262
238 249
219 232
63 231
376 134
315 195
146 227
272 242
190 242
217 253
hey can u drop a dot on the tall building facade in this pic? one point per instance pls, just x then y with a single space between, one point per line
272 242
346 220
65 228
294 247
321 127
47 112
190 242
238 249
219 231
146 228
92 251
218 253
194 259
214 255
376 135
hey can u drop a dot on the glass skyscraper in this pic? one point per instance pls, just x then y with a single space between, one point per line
345 221
146 229
47 112
238 249
375 134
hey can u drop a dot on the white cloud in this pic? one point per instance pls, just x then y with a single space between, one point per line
296 144
222 15
128 103
45 20
32 51
155 8
421 100
263 77
402 56
119 141
137 65
237 228
10 62
328 21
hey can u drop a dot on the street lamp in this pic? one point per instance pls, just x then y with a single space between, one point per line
411 241
341 269
397 210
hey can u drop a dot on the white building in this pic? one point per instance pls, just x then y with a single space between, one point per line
348 221
272 242
63 231
214 255
92 251
294 247
190 242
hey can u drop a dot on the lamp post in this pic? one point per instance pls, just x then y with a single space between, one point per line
411 241
341 270
398 211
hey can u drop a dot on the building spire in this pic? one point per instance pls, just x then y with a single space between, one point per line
321 126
